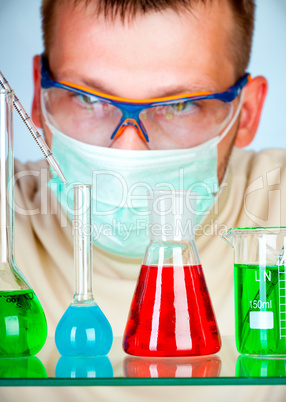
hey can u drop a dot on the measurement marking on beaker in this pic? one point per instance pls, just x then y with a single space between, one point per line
282 290
260 304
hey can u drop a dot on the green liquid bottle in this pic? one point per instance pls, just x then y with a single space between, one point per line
23 326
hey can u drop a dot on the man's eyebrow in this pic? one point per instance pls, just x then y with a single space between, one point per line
183 89
91 84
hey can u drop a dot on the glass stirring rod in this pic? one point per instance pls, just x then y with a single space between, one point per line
33 130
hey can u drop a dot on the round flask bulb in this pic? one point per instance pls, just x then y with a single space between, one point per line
83 331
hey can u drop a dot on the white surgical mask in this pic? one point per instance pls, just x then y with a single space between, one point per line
122 179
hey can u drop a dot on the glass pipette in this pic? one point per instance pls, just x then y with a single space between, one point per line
33 130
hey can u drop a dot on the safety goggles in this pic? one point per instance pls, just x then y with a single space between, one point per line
172 122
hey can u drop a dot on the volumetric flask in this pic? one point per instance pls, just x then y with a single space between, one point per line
259 289
23 326
171 312
83 330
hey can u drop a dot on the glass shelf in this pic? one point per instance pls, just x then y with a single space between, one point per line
227 367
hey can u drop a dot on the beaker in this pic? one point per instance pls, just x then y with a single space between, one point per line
171 312
259 289
23 326
83 330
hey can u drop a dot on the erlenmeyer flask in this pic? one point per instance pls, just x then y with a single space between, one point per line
171 312
23 326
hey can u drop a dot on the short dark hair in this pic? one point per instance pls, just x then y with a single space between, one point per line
243 11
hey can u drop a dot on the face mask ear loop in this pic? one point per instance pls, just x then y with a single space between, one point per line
44 110
231 123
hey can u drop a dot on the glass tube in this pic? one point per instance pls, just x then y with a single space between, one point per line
6 194
83 245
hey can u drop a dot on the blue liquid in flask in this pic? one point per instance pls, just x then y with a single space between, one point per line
83 331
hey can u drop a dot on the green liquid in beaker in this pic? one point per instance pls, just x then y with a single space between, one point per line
260 309
23 326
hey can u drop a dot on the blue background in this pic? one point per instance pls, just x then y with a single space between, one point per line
20 39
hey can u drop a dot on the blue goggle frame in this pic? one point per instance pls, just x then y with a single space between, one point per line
131 108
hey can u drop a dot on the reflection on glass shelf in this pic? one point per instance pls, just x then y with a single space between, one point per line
48 368
83 367
247 366
22 367
208 366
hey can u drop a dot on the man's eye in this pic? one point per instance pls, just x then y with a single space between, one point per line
182 106
87 99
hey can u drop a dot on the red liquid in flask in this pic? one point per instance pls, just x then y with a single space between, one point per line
171 314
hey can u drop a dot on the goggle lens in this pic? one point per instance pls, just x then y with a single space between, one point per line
169 126
185 124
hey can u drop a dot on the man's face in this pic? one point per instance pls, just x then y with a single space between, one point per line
151 56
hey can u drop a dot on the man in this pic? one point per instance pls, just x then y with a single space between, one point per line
119 51
115 56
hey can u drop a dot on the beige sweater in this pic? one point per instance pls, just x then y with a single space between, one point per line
252 195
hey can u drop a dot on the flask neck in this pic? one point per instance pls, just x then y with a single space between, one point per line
171 253
176 232
172 215
6 179
83 261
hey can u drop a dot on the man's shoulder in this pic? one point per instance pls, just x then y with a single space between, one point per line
30 166
252 161
30 176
